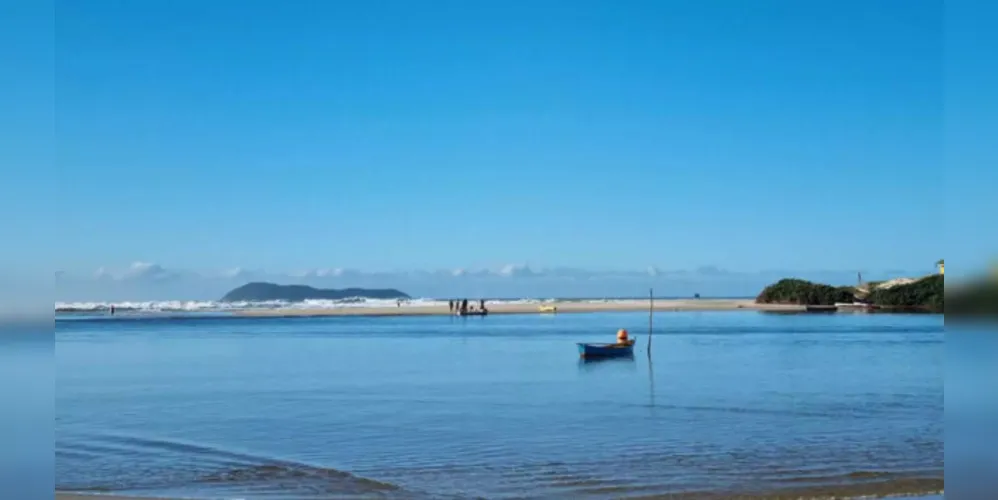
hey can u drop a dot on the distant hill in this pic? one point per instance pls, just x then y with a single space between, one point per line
257 292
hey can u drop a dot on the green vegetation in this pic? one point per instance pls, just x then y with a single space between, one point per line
870 285
926 294
802 292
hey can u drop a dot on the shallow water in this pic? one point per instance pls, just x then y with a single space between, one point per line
27 393
499 407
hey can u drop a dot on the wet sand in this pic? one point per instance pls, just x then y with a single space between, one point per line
906 488
81 496
561 307
913 489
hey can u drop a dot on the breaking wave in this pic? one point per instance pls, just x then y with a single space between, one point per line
211 305
207 306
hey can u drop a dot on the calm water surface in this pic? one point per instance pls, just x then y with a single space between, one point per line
499 407
27 394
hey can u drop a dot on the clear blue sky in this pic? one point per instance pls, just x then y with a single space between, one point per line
420 135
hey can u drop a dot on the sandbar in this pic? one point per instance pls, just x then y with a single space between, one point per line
535 308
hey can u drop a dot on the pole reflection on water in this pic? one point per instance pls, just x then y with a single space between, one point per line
651 384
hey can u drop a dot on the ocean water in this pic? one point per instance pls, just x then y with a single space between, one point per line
728 404
27 394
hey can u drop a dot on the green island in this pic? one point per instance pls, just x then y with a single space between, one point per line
925 294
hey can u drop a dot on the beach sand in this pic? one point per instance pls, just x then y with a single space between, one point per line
561 307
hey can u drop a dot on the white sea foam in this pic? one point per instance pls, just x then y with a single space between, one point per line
194 306
211 305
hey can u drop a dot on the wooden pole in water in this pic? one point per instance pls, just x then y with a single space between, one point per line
651 309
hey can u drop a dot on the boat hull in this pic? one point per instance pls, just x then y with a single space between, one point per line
590 351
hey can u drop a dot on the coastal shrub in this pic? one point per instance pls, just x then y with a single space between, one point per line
803 292
871 285
925 294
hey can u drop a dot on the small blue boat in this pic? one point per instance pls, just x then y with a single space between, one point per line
591 351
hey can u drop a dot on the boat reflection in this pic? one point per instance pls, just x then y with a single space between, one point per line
592 364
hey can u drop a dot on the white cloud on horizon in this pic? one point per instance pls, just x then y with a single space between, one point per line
516 271
237 272
321 273
147 271
151 281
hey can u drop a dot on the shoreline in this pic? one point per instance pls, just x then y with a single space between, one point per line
915 489
663 305
62 495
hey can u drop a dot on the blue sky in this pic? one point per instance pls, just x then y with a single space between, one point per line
971 119
605 136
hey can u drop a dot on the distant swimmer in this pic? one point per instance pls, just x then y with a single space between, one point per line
112 309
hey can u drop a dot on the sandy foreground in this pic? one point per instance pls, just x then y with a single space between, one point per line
80 496
561 307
